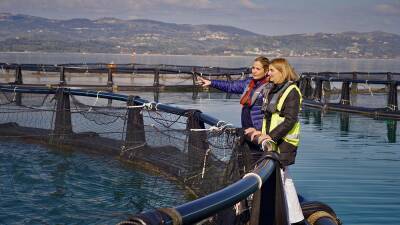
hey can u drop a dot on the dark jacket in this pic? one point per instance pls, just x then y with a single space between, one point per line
251 116
290 111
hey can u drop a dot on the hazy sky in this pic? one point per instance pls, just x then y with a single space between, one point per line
260 16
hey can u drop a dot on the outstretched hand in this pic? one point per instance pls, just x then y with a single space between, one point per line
203 82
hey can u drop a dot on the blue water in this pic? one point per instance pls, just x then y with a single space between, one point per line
299 63
353 167
350 162
47 186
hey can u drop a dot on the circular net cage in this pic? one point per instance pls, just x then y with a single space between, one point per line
168 142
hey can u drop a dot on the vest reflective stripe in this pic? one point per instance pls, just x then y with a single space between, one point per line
292 136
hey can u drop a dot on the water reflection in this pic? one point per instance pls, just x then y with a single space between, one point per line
344 122
301 64
348 123
391 130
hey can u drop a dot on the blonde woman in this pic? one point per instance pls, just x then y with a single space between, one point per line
281 128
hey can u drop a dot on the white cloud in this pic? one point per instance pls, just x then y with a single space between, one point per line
388 9
202 4
82 5
249 4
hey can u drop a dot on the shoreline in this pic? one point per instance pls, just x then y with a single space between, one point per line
194 55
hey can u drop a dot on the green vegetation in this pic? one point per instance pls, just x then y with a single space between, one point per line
109 35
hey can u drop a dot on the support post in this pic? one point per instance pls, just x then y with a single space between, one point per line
62 76
156 82
354 85
18 99
135 137
302 85
392 103
18 75
156 93
317 95
195 88
110 81
389 76
194 79
62 123
345 95
197 140
327 86
306 87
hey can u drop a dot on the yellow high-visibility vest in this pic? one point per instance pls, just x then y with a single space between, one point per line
292 136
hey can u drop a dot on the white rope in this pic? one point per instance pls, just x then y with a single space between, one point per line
150 105
125 149
259 180
15 93
391 107
213 128
135 106
147 106
221 121
369 88
204 163
95 102
218 127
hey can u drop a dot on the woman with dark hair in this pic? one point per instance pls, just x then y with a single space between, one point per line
251 90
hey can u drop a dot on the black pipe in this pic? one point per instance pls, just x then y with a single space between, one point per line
212 121
207 206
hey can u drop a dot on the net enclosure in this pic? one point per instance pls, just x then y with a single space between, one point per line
197 151
372 94
227 182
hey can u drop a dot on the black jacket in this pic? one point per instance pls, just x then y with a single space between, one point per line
290 111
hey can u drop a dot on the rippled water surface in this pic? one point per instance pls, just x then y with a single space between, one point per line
47 186
348 161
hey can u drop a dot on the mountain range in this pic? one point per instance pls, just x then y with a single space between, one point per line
110 35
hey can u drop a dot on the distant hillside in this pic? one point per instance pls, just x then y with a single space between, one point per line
110 35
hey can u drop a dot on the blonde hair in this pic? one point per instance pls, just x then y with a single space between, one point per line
283 66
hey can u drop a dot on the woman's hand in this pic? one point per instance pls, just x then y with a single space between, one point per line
203 82
263 137
252 133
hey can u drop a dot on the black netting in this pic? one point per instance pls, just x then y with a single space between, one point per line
374 94
200 158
